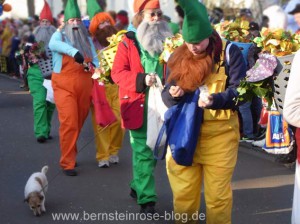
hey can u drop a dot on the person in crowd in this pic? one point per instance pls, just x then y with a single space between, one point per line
42 109
277 18
199 62
246 14
102 4
122 20
264 22
250 111
296 14
6 38
108 139
291 113
138 56
60 18
292 25
113 14
173 26
27 39
13 65
256 104
180 14
72 83
217 15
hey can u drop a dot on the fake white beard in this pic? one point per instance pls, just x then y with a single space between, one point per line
152 35
79 39
44 33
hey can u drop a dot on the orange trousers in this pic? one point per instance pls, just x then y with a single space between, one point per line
72 93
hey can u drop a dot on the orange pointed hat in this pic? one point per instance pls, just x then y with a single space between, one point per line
46 12
140 5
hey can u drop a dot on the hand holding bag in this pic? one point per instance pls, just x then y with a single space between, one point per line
156 111
182 126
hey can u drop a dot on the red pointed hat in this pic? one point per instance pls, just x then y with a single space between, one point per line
46 12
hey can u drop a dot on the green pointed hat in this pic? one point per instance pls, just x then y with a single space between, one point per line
196 26
72 10
93 8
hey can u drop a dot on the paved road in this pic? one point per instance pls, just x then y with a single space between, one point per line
262 188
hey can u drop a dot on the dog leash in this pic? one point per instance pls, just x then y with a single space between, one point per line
79 151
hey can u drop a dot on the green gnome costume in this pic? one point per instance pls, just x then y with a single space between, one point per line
42 109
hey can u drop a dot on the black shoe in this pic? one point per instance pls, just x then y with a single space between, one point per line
286 159
133 193
41 139
260 136
148 208
71 172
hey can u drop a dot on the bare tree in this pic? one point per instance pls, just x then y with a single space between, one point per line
31 8
102 3
64 3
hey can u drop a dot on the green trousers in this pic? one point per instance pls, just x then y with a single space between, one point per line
143 163
42 109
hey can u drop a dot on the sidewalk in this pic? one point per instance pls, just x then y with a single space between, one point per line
260 153
18 79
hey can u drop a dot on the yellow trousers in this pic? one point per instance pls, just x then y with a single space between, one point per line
109 139
213 166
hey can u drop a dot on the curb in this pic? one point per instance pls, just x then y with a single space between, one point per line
260 153
11 78
256 151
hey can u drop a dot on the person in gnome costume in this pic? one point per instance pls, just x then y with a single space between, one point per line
72 83
291 112
199 63
42 109
136 58
108 139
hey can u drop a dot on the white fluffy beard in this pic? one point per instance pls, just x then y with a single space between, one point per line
44 33
78 36
152 35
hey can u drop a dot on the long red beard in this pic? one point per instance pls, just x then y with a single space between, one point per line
187 70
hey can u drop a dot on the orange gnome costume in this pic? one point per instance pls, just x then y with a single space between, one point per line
72 85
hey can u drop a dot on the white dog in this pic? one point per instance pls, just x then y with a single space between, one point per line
35 190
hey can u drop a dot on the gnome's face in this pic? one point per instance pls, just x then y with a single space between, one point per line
74 23
297 18
152 14
198 48
153 31
102 34
45 22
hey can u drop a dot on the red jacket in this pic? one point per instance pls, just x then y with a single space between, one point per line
128 73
